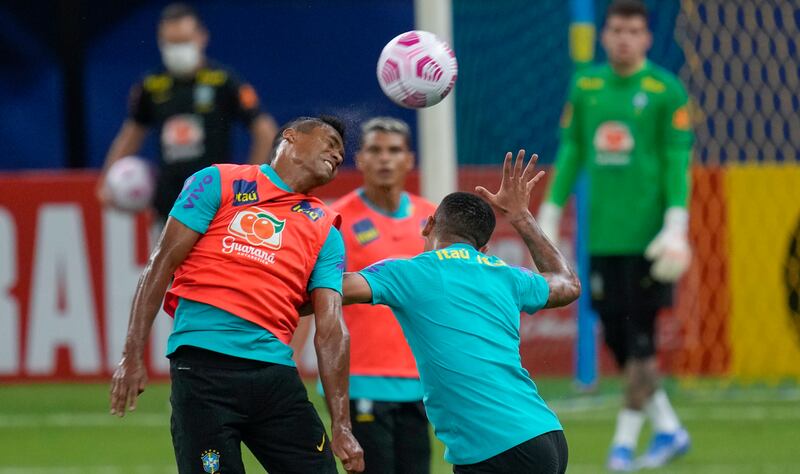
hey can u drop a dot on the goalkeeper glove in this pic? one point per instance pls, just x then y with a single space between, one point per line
549 219
669 251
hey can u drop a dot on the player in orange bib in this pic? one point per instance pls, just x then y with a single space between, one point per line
246 246
381 220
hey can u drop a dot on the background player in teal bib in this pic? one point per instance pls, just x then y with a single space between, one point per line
627 124
460 312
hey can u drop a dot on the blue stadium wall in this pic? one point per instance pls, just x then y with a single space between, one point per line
303 57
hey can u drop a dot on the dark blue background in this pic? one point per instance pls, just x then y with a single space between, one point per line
303 57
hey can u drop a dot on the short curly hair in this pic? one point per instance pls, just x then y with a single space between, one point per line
465 216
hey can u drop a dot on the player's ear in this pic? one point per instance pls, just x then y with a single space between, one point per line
426 231
290 135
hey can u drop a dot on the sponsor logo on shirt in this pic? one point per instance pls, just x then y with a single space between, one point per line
613 142
681 120
313 213
194 188
365 231
183 138
261 231
244 192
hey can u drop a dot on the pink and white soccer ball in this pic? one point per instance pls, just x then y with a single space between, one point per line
417 69
130 183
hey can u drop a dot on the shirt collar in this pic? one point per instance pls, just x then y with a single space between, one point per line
276 180
403 210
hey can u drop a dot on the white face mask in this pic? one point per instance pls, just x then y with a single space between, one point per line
180 58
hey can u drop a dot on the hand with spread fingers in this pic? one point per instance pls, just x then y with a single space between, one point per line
514 195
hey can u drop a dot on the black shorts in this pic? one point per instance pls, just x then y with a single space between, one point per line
219 402
627 299
544 454
394 435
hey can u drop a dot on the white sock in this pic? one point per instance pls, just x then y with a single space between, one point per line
629 424
661 414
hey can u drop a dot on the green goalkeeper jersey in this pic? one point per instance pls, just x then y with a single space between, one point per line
633 135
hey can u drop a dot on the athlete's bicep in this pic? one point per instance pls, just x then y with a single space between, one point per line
327 272
174 244
562 290
199 200
356 289
678 126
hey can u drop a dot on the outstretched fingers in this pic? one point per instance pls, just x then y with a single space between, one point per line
530 168
520 161
507 166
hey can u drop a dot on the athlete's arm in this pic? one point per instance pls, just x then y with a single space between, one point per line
332 344
171 249
190 216
570 156
130 137
677 141
669 250
569 161
128 141
355 289
513 200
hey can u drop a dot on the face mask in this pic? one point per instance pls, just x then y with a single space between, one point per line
180 58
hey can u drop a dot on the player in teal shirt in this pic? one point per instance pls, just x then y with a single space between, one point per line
460 312
201 325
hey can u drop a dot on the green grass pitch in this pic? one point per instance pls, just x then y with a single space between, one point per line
65 428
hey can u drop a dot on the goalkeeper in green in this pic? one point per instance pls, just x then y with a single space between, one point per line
626 122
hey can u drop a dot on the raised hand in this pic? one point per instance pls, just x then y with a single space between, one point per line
514 195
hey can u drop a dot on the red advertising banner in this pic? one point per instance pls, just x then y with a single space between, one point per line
68 270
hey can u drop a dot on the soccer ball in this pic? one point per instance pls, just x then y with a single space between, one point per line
417 69
130 183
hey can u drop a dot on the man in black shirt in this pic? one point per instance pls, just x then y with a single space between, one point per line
192 104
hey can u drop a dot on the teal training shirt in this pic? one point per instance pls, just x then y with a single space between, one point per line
460 312
208 327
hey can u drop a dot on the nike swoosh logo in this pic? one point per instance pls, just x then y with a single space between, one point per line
322 444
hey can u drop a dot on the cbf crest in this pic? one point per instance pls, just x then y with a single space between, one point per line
210 461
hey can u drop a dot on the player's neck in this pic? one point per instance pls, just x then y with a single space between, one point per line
443 241
297 180
628 69
386 199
